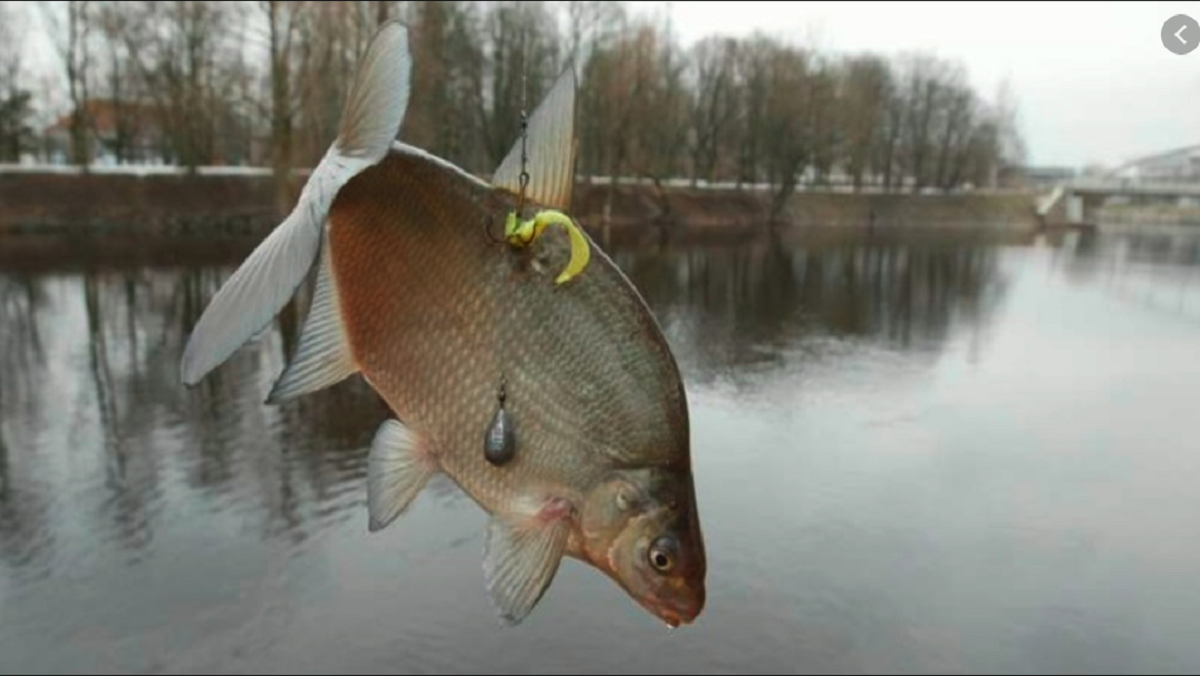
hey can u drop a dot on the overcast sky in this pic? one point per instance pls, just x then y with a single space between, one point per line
1092 80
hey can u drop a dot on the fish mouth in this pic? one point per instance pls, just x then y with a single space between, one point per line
673 620
676 613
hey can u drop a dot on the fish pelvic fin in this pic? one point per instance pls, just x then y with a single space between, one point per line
550 149
398 468
323 356
269 277
521 557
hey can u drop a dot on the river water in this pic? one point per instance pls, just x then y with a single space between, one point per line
912 454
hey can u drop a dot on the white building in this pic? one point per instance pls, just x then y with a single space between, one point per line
1176 166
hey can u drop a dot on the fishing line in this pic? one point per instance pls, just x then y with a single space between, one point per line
524 177
524 126
499 444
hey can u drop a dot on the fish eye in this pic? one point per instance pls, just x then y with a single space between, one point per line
662 554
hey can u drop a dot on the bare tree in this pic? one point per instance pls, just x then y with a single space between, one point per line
71 34
383 12
823 128
1011 144
713 106
787 123
118 83
665 135
592 23
752 69
186 55
955 126
521 62
15 100
451 117
922 95
862 109
982 152
233 82
658 125
595 36
326 47
888 155
282 23
620 80
11 44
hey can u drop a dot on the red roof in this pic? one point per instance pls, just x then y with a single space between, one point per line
103 115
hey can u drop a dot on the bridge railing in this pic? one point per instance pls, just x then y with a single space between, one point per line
1132 186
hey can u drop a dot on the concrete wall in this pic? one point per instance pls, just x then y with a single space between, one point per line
155 204
241 205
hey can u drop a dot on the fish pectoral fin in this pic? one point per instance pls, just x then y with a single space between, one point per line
398 468
550 149
323 356
521 556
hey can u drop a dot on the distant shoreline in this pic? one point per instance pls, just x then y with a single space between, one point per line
222 206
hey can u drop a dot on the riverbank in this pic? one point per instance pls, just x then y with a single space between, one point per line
223 206
643 213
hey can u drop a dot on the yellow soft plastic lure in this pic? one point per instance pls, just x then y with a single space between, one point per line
522 233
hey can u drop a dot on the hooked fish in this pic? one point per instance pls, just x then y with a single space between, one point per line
418 294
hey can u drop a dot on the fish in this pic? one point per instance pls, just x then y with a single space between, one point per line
418 292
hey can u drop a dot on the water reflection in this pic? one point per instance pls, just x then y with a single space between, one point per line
94 423
91 373
23 503
108 465
1155 271
738 310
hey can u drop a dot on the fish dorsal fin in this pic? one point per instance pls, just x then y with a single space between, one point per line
550 147
269 277
323 357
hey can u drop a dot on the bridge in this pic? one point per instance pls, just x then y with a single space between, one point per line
1074 202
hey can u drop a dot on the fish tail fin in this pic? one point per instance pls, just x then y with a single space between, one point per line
271 274
378 96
